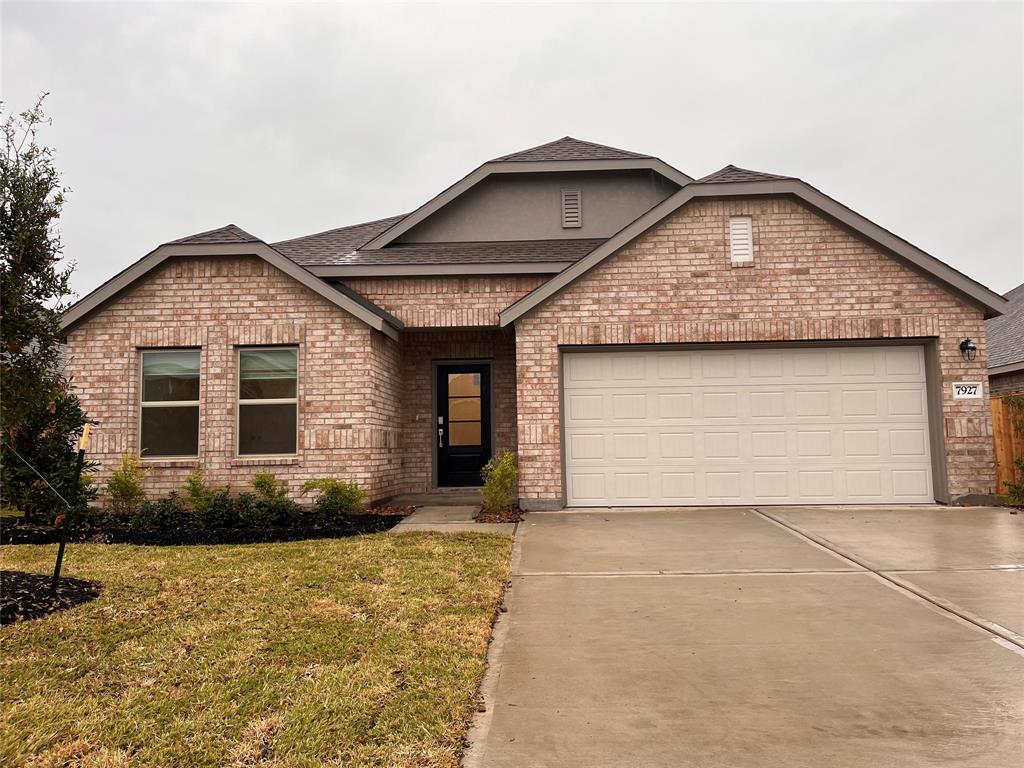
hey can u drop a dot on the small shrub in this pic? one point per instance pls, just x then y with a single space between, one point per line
335 498
125 486
254 511
269 487
501 476
198 491
163 514
217 511
1015 488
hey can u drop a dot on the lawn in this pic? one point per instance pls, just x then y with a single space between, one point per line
364 651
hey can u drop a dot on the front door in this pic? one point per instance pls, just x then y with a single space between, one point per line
463 423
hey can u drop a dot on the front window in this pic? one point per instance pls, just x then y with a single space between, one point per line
268 388
169 421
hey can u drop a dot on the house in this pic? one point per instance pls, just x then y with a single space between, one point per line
1006 380
638 336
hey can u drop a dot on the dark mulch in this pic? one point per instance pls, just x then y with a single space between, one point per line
374 521
504 515
27 596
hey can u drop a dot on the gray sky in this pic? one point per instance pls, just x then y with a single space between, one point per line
287 120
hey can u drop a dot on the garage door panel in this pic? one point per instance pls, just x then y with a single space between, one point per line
822 425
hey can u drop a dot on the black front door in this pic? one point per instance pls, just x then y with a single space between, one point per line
463 422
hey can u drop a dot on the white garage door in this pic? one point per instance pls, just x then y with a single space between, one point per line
805 425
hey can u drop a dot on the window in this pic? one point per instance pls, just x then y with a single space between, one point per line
268 388
169 418
741 240
572 208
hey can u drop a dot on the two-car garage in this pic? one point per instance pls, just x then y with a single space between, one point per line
768 425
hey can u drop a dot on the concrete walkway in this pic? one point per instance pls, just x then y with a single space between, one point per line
450 520
848 638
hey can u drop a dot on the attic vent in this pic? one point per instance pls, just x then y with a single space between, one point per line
572 208
741 240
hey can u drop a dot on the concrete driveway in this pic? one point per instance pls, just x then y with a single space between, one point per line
772 637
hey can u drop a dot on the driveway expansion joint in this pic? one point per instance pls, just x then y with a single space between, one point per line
999 632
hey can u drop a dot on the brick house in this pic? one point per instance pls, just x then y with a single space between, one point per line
638 337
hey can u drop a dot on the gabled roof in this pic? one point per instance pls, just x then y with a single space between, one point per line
992 303
732 173
565 155
334 245
568 148
224 242
1006 335
229 234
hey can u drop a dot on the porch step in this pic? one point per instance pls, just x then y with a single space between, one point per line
444 497
450 520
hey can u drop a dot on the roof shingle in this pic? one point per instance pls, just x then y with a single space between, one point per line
229 234
326 248
1006 332
735 173
568 148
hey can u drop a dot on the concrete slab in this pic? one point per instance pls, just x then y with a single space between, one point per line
995 595
606 665
925 538
663 540
450 520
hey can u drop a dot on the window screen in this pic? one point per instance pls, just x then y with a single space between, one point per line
268 387
169 418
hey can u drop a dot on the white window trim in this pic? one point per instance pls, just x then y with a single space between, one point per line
268 401
168 403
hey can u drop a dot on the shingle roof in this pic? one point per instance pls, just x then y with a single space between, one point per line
1006 332
229 234
568 148
735 173
326 248
518 252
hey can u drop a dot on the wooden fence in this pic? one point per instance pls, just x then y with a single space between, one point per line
1008 437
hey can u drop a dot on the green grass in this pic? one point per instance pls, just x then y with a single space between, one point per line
358 652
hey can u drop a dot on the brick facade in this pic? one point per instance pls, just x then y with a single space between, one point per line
348 410
811 281
1007 383
446 302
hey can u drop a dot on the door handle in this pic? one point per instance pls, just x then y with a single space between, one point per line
440 437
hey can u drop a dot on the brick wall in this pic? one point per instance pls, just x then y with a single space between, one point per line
1006 383
432 303
348 374
419 350
811 281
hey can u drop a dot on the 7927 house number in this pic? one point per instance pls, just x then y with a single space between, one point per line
966 390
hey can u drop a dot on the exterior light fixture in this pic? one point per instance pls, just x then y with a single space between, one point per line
968 351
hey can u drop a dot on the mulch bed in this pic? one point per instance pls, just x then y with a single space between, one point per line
26 596
373 521
505 515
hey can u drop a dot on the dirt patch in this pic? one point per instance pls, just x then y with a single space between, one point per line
399 511
504 515
27 596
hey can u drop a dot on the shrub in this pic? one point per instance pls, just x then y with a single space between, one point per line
161 515
1015 488
255 511
501 475
268 487
125 486
217 510
198 491
335 498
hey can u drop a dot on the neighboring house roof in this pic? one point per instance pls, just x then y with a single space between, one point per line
227 242
329 247
229 234
568 148
541 159
989 301
1006 335
735 173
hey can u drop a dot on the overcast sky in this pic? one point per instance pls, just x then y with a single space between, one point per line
170 119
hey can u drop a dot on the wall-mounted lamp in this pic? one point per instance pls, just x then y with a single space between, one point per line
968 351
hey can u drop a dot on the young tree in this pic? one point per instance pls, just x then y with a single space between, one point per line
40 416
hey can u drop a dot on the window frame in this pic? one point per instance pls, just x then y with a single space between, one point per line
142 352
267 401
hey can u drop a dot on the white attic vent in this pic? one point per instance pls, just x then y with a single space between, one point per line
572 208
741 240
